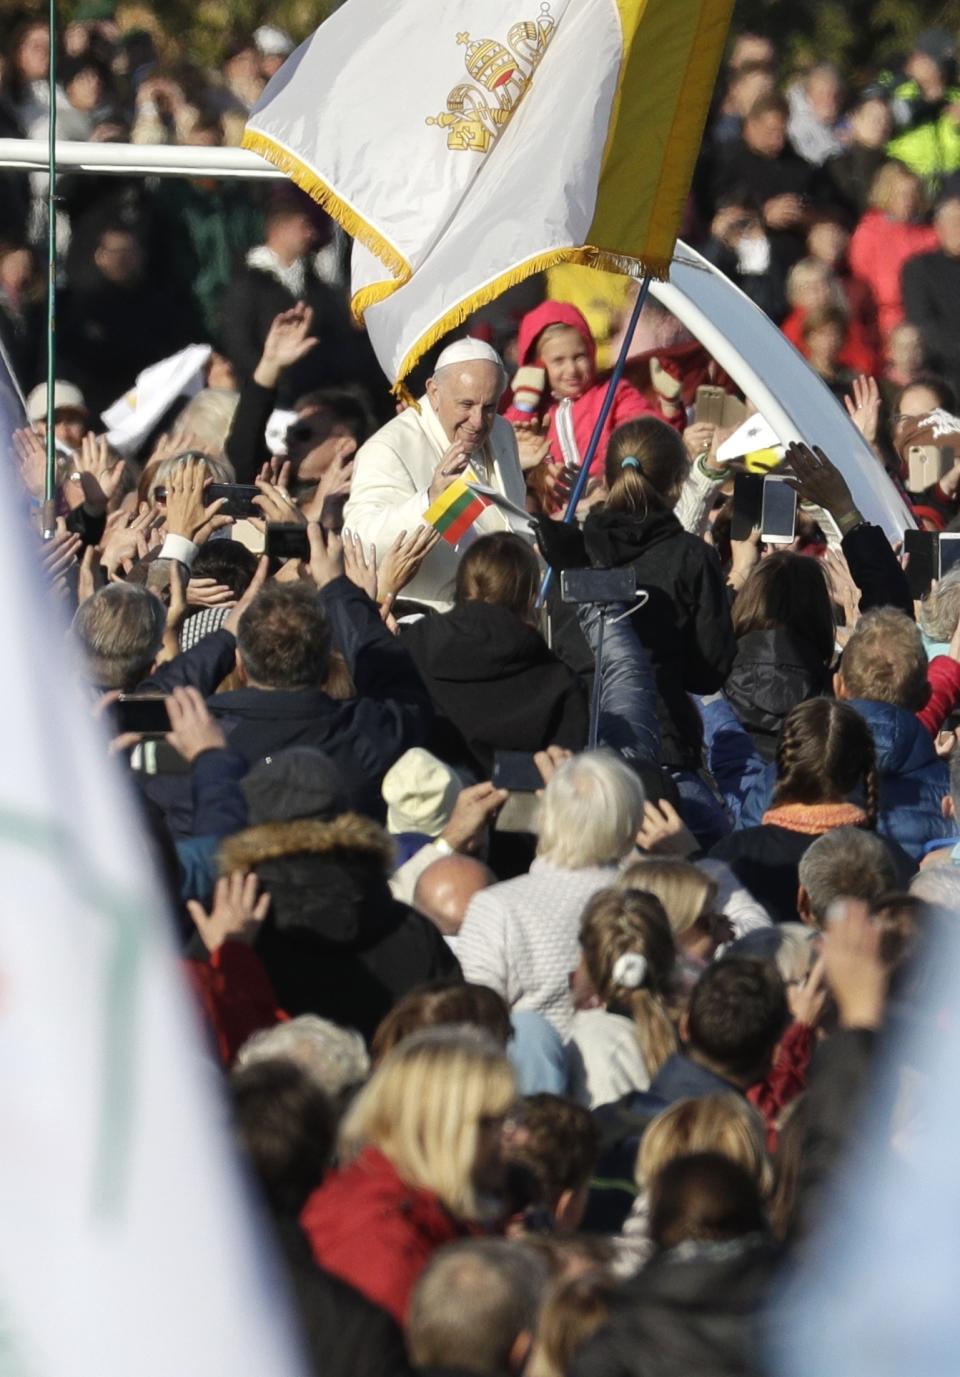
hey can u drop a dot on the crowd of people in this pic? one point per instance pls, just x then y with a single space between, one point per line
547 943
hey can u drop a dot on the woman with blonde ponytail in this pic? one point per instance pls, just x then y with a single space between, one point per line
622 1032
685 623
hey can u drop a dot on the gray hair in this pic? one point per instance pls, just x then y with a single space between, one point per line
472 1303
940 609
846 863
334 1058
591 813
938 884
789 946
120 630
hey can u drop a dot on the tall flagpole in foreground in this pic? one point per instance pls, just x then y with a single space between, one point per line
50 484
592 447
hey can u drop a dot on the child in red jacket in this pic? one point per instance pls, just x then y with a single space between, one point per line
556 337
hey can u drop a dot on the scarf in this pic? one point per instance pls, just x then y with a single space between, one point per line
294 277
814 818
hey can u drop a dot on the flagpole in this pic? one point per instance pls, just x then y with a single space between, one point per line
50 484
608 400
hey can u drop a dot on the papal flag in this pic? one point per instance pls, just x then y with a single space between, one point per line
128 1243
466 145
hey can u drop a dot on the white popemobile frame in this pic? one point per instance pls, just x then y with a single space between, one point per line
756 355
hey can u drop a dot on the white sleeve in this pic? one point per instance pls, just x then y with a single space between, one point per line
384 499
735 900
181 549
482 943
696 499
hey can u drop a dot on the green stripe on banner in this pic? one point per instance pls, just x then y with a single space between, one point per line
456 509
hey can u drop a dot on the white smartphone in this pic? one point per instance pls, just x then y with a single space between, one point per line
949 548
778 512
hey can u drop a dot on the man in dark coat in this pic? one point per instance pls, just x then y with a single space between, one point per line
335 942
931 291
279 273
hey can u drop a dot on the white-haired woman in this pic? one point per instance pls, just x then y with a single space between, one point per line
521 937
422 1162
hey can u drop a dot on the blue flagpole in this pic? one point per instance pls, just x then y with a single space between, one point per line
592 447
50 480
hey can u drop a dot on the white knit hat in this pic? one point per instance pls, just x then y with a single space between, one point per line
420 792
468 350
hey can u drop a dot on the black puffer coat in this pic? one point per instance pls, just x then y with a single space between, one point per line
335 942
686 623
772 673
496 684
692 1312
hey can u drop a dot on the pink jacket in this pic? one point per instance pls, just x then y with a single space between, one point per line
628 402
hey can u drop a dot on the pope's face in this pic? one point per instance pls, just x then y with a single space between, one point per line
465 398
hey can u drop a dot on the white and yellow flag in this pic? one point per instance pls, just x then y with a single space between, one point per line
128 1245
466 145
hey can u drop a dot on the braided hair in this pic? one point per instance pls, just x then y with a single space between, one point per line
825 754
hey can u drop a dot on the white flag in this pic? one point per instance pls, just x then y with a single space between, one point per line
128 1246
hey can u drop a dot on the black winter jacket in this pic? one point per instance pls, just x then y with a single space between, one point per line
686 623
496 684
694 1311
365 734
772 673
335 942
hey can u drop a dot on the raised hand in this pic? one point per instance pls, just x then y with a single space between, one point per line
186 513
232 620
32 458
863 407
403 559
449 469
533 446
288 340
209 593
326 504
193 729
326 561
360 568
664 833
237 912
818 480
277 505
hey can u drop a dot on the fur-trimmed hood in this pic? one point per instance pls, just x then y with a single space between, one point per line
350 834
327 881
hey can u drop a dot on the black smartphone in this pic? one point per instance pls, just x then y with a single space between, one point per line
598 586
516 771
239 499
143 713
778 512
747 503
948 548
923 563
286 540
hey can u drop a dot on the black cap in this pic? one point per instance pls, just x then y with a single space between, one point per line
300 782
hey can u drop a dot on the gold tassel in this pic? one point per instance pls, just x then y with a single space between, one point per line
587 256
315 187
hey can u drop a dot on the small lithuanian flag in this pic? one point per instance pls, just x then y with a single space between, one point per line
455 511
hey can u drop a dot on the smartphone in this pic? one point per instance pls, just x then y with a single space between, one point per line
709 405
239 499
778 512
923 563
286 540
926 465
144 713
516 771
949 551
598 586
747 505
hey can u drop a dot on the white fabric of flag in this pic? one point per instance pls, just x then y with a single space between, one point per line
128 1243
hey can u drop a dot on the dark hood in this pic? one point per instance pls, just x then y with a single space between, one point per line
773 672
327 880
476 641
614 538
903 744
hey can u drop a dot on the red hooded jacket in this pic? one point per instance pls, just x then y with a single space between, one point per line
371 1229
628 402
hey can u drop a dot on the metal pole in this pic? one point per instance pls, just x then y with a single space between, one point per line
50 486
592 447
594 734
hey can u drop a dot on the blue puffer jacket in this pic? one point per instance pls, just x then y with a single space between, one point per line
913 781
